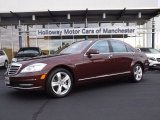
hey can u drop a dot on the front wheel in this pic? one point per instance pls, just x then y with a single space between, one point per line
59 83
5 64
137 73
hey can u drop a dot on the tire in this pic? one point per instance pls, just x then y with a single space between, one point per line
137 73
59 83
5 64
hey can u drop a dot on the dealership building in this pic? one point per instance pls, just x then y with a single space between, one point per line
52 24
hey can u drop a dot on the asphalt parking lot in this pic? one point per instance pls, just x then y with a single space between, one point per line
113 100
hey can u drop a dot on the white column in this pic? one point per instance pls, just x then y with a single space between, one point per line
0 40
149 34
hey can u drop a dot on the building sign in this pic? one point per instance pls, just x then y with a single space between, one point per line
86 31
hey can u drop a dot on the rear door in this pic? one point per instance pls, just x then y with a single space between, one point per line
121 57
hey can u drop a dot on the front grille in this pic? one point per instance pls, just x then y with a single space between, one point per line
14 68
158 59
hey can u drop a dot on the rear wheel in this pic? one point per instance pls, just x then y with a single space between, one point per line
59 83
137 73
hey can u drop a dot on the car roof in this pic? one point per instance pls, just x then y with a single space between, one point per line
28 48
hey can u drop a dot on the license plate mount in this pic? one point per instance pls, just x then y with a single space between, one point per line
7 80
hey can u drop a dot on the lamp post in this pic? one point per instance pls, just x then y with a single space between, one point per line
20 34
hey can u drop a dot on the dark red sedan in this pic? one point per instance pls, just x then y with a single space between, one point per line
87 60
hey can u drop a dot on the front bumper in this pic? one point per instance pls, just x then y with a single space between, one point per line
29 81
154 64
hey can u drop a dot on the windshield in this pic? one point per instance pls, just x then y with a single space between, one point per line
27 53
76 48
149 50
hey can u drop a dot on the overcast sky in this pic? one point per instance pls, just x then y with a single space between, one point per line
43 5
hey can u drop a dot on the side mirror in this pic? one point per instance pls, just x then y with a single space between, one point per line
92 51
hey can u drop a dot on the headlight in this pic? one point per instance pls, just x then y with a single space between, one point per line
152 58
14 59
34 67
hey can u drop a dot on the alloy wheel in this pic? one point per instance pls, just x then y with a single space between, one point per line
138 73
61 83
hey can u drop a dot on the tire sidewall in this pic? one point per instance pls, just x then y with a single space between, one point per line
6 64
49 89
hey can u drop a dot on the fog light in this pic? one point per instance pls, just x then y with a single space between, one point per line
43 76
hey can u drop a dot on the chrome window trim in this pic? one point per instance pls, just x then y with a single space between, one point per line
99 54
112 53
107 52
107 75
123 52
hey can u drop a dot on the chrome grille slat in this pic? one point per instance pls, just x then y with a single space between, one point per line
14 68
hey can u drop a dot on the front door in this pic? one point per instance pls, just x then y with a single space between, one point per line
98 65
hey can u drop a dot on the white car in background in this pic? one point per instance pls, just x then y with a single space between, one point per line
3 59
153 57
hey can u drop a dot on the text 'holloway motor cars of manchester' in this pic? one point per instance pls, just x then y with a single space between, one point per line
82 61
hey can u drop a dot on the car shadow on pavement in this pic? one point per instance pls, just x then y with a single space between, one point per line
104 84
85 88
28 95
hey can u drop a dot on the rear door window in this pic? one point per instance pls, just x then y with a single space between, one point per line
118 46
130 49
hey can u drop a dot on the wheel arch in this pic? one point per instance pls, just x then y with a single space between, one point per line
140 63
6 60
64 67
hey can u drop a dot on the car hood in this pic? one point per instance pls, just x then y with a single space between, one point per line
153 55
44 59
